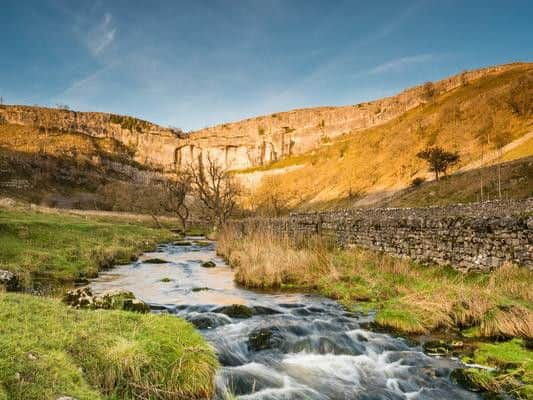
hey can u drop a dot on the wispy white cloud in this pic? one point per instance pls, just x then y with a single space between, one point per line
101 35
399 64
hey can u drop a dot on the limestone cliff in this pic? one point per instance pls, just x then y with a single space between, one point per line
238 145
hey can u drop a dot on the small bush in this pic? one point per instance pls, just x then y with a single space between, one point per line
418 181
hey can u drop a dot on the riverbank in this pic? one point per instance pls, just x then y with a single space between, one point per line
48 350
50 250
409 299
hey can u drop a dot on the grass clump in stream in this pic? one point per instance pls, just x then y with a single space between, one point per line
98 355
60 248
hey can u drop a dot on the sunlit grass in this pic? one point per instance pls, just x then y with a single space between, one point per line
48 350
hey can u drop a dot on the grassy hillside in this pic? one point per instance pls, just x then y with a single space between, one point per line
48 250
516 179
98 355
473 120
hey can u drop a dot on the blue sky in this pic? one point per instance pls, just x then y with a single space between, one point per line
192 64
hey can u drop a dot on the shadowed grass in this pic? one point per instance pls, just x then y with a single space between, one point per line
98 355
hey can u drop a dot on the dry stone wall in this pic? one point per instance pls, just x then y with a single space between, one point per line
480 236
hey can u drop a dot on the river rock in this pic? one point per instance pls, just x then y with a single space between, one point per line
155 261
208 320
208 264
235 311
262 310
182 243
437 347
9 280
135 305
200 289
264 338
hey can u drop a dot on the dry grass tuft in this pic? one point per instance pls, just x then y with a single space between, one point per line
269 261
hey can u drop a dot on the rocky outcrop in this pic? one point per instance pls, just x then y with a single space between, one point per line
249 143
480 236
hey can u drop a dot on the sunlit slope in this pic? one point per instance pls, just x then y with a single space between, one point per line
363 167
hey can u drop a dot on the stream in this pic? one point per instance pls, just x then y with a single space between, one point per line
281 346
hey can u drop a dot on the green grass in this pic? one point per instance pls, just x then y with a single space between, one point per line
48 350
59 248
513 364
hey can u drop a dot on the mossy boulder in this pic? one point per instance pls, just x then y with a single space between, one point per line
235 311
110 300
208 264
79 298
264 338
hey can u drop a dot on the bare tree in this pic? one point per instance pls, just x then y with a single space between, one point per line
215 189
179 190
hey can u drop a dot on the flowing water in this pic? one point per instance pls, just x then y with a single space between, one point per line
293 346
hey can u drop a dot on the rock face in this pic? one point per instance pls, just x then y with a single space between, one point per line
244 144
480 236
110 300
8 280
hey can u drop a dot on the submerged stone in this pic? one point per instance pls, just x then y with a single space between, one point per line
182 243
264 338
208 320
155 261
262 310
208 264
235 311
200 289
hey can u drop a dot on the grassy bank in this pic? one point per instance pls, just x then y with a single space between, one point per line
59 248
48 350
409 298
